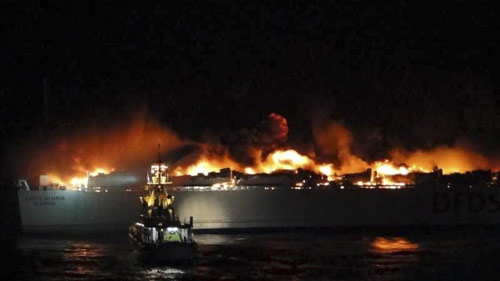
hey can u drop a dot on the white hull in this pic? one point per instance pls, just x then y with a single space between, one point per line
258 208
66 210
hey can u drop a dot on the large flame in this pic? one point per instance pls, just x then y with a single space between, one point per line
128 146
334 141
77 182
389 169
285 160
205 166
133 144
449 159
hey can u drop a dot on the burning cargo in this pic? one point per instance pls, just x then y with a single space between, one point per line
275 186
248 202
114 180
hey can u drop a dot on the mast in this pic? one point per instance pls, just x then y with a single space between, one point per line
159 155
159 164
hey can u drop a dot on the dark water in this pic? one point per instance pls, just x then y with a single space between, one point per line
272 256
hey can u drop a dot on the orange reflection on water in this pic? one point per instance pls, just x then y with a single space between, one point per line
389 245
81 259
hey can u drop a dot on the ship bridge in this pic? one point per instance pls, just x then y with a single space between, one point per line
159 174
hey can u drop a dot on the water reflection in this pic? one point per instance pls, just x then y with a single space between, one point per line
82 259
76 251
215 239
162 273
283 256
391 245
393 258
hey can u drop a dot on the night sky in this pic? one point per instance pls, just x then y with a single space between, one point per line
395 74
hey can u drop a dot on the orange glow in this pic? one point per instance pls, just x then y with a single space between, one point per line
207 164
77 181
449 159
285 160
249 171
386 168
98 171
278 160
327 170
383 172
390 245
383 176
202 167
335 140
133 144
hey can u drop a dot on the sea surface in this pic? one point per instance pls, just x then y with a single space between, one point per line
302 255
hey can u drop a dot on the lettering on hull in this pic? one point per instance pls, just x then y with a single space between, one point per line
465 202
44 200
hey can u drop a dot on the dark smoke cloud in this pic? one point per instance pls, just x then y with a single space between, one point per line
270 134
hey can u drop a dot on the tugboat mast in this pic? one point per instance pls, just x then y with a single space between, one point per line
159 164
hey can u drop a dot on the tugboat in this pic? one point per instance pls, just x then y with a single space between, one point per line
160 236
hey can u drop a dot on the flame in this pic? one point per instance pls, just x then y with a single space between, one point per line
450 159
202 167
278 160
131 145
249 171
288 159
387 168
207 164
383 177
285 160
98 171
327 170
76 182
98 152
334 140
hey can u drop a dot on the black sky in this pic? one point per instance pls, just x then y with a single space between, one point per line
400 74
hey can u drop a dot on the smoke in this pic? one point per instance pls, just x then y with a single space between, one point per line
247 146
333 143
449 159
130 145
272 132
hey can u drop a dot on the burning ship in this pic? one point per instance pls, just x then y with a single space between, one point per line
283 188
291 198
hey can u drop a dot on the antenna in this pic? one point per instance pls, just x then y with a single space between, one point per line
159 164
159 158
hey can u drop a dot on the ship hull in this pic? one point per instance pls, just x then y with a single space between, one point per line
65 210
259 208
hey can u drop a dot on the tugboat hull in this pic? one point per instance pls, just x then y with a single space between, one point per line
163 244
166 253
